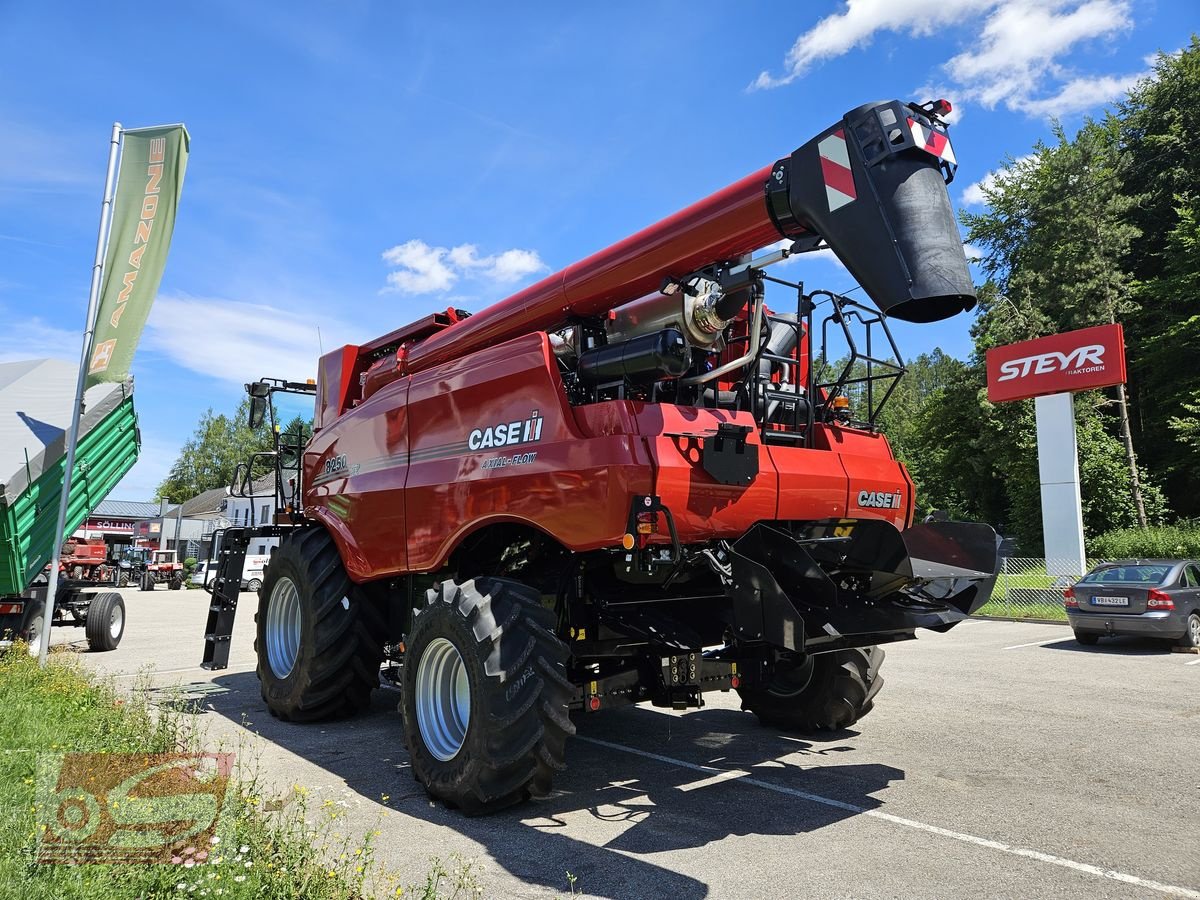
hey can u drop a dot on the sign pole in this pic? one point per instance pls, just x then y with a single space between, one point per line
77 411
1062 498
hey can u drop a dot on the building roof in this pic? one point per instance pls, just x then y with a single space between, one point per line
126 509
208 502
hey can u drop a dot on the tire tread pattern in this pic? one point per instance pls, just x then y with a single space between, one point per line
841 691
341 649
516 738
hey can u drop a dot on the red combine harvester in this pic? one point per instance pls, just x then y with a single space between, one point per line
630 482
85 559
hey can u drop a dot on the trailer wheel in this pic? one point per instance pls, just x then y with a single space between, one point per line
485 695
35 630
319 636
825 692
105 622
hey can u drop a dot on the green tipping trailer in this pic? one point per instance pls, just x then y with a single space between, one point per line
35 413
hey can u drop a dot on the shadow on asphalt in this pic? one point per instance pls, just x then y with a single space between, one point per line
640 806
1120 646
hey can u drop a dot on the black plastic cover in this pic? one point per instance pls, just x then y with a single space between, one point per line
661 353
889 218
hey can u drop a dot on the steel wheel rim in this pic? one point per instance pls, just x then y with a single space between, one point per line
791 680
443 699
116 621
283 628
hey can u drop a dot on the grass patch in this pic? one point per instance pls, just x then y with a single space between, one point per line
1001 608
268 848
1026 594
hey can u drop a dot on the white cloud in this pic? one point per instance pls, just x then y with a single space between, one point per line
973 194
835 35
422 269
238 342
1014 52
971 252
1079 94
32 338
1022 40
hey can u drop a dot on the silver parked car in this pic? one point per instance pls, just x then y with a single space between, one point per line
1148 597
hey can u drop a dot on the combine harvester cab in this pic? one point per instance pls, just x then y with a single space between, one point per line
35 410
629 482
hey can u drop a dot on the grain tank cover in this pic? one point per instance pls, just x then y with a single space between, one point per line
874 187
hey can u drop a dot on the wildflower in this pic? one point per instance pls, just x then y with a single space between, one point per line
239 878
243 849
181 886
188 863
177 859
248 864
214 840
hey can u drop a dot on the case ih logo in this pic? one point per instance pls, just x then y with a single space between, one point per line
506 434
879 500
1075 361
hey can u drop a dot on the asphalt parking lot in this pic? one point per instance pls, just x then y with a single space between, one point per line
1002 760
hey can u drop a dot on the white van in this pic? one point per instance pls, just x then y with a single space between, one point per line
252 572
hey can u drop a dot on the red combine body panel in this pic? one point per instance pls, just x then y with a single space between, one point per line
628 482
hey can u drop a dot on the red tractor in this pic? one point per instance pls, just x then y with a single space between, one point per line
161 567
630 482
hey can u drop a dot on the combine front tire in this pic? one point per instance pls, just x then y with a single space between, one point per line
485 695
825 692
319 637
105 622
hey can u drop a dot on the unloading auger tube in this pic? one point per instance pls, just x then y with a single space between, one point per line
871 187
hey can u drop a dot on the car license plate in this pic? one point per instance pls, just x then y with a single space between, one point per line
1110 601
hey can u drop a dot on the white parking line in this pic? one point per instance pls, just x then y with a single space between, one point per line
1037 855
1035 643
1194 662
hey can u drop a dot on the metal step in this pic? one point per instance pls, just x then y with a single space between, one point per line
225 589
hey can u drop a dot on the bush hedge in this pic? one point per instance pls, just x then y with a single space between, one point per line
1156 542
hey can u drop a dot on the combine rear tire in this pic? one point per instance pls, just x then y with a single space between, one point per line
826 692
319 636
105 622
485 695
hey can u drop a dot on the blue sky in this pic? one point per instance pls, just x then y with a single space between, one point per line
357 165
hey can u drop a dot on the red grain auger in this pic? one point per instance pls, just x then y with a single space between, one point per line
630 482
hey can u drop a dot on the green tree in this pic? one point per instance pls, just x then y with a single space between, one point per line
1057 235
208 459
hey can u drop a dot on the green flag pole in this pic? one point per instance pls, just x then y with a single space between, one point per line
77 411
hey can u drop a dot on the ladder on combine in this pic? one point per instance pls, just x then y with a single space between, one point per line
225 589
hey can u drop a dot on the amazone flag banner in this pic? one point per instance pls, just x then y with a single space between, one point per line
153 161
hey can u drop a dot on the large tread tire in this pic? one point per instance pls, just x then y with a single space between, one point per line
515 739
342 632
102 621
840 690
